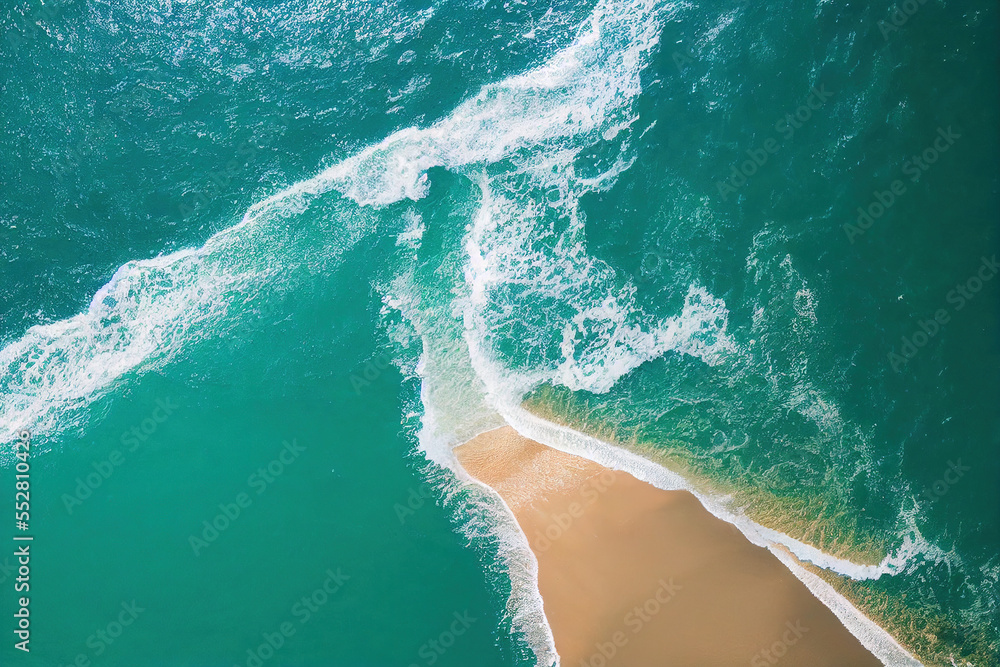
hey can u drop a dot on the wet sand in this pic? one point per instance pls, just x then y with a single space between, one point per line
634 576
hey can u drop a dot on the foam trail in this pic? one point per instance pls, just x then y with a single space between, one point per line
146 312
576 93
136 315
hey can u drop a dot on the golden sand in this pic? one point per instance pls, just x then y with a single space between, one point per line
634 576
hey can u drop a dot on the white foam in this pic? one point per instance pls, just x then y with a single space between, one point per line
512 251
139 313
600 346
578 91
414 232
145 313
882 645
581 91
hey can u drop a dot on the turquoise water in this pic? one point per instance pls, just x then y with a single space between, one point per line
265 263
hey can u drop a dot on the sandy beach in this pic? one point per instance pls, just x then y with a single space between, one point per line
634 576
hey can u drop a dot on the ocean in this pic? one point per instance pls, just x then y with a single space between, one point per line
263 264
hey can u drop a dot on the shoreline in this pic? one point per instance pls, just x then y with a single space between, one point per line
618 556
799 557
